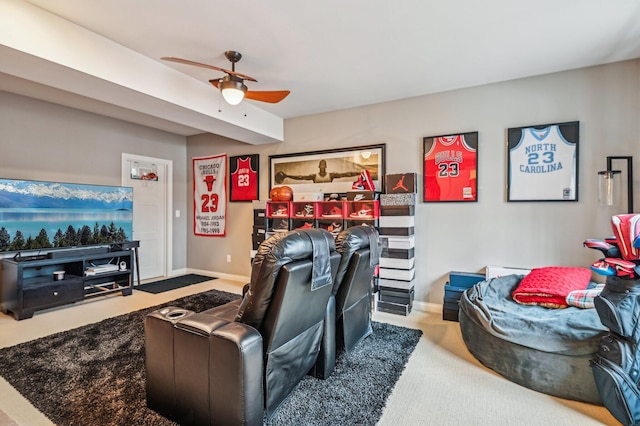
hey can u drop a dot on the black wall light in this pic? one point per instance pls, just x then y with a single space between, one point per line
609 185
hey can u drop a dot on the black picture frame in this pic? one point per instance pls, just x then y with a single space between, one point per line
302 171
450 168
543 162
244 178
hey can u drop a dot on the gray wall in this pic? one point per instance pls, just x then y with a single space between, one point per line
43 141
456 236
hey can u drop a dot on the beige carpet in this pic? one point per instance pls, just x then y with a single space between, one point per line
442 385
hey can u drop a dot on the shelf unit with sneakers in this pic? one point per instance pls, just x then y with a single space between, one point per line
365 212
303 214
330 215
277 214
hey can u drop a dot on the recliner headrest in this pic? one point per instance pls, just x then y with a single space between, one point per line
348 242
275 252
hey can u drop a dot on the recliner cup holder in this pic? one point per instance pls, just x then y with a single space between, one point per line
176 314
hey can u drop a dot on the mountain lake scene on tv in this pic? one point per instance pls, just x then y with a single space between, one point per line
40 215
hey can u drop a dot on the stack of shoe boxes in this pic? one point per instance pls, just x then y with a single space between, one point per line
458 283
397 254
259 226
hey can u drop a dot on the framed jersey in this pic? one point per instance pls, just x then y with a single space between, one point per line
450 165
543 162
244 177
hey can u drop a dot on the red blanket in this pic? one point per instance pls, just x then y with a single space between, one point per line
550 286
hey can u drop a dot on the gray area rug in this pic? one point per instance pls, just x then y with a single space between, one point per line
94 375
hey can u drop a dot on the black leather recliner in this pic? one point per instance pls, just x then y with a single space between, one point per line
348 316
231 364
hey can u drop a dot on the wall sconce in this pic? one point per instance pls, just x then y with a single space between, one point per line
609 185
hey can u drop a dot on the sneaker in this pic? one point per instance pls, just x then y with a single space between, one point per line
358 185
282 226
280 212
307 225
364 213
335 228
335 211
367 182
334 197
306 211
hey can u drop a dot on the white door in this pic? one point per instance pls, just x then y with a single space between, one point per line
150 179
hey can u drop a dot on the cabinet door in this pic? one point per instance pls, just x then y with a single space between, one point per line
58 293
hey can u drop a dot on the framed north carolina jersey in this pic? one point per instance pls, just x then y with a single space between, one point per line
243 175
451 167
543 162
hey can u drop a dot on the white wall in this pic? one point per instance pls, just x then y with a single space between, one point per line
43 141
456 236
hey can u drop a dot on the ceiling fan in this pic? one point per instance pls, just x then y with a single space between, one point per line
232 85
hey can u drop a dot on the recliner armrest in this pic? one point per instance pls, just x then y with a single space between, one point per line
219 371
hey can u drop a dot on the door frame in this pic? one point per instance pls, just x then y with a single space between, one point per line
168 196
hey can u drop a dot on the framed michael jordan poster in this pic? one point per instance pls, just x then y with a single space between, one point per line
328 171
543 162
450 165
244 177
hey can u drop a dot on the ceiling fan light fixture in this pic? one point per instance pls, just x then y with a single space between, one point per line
233 91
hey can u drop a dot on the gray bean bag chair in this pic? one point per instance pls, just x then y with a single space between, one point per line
547 350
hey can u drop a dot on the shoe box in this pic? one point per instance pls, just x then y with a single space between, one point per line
401 183
363 212
408 199
395 242
277 216
397 221
393 308
396 231
396 263
458 283
259 224
397 253
308 196
397 210
395 295
398 274
391 283
362 195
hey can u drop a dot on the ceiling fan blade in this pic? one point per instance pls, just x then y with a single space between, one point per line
272 97
212 67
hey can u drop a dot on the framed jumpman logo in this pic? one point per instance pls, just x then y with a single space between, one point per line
451 167
543 162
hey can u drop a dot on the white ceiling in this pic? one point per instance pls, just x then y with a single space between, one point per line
332 54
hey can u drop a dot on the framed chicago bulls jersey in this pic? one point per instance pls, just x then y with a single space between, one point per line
451 167
244 178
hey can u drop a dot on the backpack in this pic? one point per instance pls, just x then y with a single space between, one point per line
616 365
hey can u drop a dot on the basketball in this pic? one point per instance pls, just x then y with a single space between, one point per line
281 193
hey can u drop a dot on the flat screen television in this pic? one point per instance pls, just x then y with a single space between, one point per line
43 216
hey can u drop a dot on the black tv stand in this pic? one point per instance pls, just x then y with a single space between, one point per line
28 285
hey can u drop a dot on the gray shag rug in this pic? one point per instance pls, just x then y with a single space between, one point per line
94 374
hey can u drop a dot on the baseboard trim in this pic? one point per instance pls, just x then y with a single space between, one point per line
427 307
